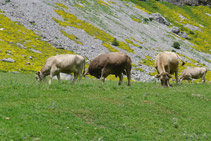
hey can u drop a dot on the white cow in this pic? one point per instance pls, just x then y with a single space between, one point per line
66 63
166 63
193 73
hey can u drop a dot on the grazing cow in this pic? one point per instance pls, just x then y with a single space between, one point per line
66 63
193 73
166 63
112 63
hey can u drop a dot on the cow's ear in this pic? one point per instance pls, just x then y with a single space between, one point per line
169 75
157 76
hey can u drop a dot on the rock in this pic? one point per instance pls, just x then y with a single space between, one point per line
183 35
30 57
191 27
15 72
159 18
20 45
175 29
64 76
34 50
7 60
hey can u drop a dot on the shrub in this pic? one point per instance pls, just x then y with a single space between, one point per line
115 42
146 20
191 32
176 45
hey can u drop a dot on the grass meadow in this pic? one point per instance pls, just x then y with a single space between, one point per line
90 111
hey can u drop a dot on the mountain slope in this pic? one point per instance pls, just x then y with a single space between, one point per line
89 27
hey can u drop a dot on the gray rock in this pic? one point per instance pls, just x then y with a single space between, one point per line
7 60
183 35
175 29
159 18
20 45
191 27
64 76
34 50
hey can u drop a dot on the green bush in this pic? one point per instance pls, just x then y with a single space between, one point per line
176 45
115 42
191 32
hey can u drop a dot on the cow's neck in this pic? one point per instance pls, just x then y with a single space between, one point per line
161 68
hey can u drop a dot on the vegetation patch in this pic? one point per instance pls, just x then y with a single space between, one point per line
148 61
90 111
62 5
180 16
109 47
131 42
73 21
139 69
17 43
72 37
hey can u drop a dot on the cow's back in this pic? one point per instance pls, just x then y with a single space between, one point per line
196 72
116 63
167 60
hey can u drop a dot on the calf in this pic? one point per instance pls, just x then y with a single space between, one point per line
66 63
193 73
116 63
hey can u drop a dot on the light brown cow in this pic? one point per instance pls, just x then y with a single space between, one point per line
166 63
66 63
193 73
116 63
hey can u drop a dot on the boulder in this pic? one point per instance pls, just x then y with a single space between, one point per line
183 35
7 60
159 18
175 30
34 50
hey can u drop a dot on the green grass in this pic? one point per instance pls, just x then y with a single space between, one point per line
89 111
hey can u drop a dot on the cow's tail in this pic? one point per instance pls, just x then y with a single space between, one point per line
183 62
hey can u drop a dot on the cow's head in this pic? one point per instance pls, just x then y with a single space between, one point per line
39 76
164 78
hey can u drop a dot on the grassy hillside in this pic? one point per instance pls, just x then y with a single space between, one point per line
89 111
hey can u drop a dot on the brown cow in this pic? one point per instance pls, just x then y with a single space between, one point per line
166 63
193 73
66 63
112 63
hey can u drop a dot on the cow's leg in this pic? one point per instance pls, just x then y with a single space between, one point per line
52 73
176 76
75 77
120 78
104 74
203 78
80 75
128 76
58 76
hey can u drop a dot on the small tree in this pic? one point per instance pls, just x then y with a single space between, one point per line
115 42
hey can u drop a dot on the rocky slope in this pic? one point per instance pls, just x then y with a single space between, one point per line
141 33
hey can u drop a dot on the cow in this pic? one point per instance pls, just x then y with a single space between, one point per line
117 63
166 63
65 63
193 73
